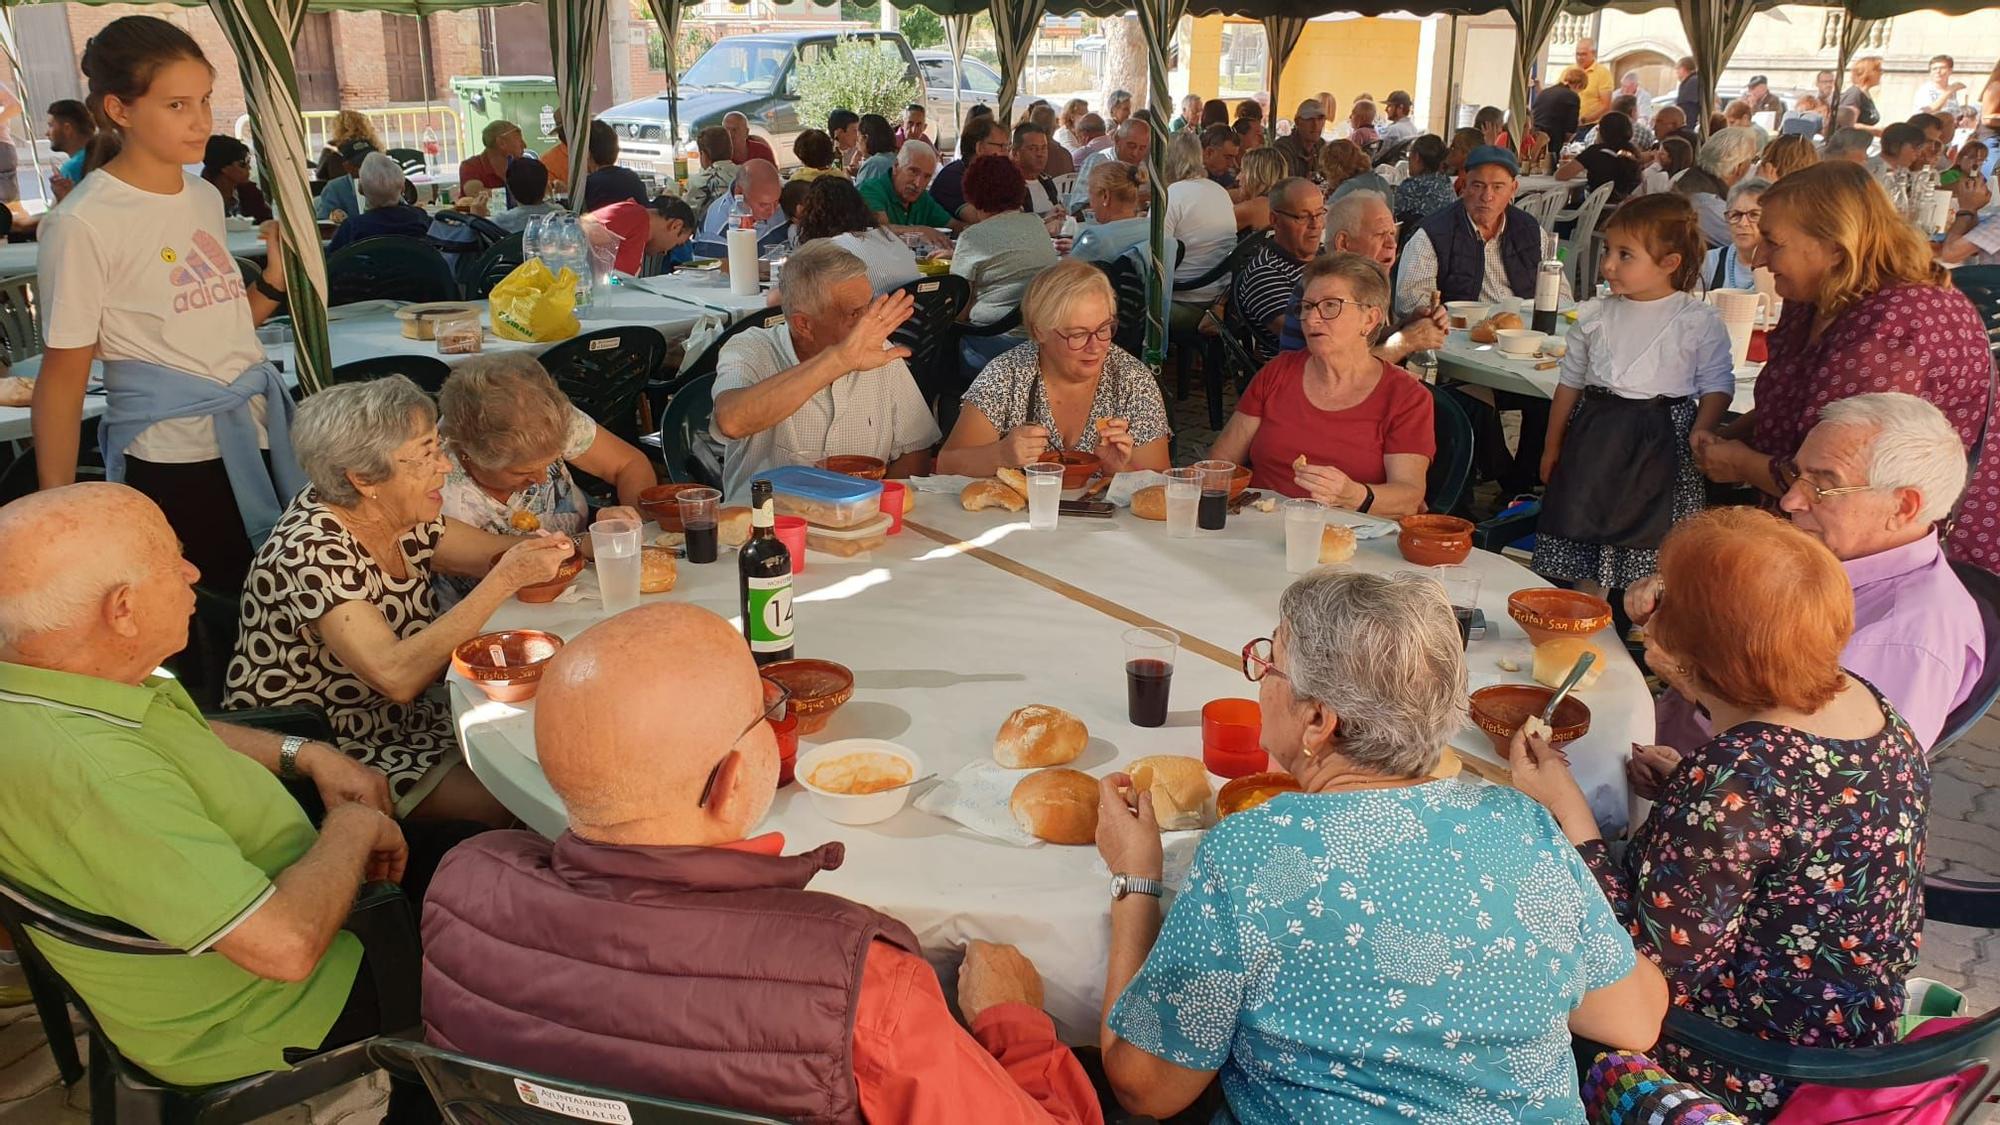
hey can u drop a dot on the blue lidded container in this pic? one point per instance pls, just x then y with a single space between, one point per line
821 498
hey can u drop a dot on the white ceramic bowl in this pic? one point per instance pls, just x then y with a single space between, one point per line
1520 342
856 808
1465 314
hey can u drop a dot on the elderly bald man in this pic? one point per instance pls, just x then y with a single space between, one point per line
758 186
122 800
652 948
1872 481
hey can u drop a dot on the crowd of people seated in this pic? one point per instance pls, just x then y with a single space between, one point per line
1808 653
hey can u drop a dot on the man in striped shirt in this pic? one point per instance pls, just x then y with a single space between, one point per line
1267 285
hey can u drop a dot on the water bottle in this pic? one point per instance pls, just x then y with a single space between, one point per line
531 238
739 214
1899 192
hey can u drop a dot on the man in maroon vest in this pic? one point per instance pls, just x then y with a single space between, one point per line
652 948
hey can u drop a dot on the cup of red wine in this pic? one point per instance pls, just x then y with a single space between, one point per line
1149 674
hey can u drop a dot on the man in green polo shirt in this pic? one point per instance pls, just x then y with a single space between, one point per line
900 201
120 799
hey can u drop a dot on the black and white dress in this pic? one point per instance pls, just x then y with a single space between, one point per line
1010 393
308 567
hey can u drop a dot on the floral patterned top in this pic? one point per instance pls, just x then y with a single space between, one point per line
1378 956
1010 393
1925 340
1779 884
556 502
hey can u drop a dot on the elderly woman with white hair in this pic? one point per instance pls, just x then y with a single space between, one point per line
338 611
1725 158
383 212
1384 943
1068 388
1733 265
1202 218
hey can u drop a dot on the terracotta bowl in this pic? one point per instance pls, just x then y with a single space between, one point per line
1548 613
818 687
506 665
856 465
658 504
1239 481
547 591
1251 790
1077 467
1500 709
1434 540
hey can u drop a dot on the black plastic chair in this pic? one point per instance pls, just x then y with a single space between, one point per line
1982 285
690 453
1451 470
1984 587
1128 286
479 273
471 1092
21 477
427 372
928 335
604 373
1210 348
203 668
389 268
411 159
123 1093
1391 152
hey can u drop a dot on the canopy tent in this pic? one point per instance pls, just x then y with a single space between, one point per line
574 26
1015 26
1157 19
1281 38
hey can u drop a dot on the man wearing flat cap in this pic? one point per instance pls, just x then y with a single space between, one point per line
1402 124
1301 147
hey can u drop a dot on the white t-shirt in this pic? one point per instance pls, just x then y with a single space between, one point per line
1203 217
889 259
149 277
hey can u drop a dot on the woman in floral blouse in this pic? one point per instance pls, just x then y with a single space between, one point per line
1779 880
1867 309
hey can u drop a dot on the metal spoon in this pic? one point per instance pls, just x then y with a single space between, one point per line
929 777
1576 673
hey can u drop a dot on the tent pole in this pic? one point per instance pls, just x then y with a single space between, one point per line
13 45
1451 78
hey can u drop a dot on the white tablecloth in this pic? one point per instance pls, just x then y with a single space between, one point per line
944 644
1483 365
19 257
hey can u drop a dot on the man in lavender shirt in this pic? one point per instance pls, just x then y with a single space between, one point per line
1873 480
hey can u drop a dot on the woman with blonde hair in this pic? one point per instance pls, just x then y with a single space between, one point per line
1115 224
1068 388
1072 113
348 125
1262 169
1785 155
1867 309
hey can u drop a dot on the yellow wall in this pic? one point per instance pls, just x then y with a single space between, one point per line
1204 63
1349 57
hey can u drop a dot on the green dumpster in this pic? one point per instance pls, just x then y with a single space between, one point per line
527 100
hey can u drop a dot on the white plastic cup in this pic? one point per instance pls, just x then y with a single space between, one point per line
615 544
1305 519
1183 502
1044 494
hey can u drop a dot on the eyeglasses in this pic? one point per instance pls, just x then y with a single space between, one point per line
1328 308
1789 475
1309 218
1079 338
774 710
1735 217
1258 661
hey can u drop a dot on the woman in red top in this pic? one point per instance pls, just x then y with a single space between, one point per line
1333 422
1866 310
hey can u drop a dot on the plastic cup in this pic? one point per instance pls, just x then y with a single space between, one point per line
1213 512
1149 674
1044 494
1304 520
791 531
614 544
1231 738
892 503
1461 588
786 729
1183 499
698 516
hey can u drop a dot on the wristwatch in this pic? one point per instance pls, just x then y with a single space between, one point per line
1122 885
288 757
267 289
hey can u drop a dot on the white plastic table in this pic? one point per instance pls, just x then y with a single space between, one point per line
966 616
19 257
1484 365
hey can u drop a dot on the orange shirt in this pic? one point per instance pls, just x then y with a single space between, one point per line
556 160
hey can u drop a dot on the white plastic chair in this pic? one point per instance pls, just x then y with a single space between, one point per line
1582 243
1543 205
1064 183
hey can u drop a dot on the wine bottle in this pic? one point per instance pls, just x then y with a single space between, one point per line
764 570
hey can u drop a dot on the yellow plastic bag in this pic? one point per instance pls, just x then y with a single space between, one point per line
532 305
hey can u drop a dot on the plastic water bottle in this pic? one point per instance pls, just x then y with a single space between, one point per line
739 214
531 238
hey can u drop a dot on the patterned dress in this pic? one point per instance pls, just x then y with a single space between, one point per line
307 568
1779 884
1925 340
1378 956
1010 393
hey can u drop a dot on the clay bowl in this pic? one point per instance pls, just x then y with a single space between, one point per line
1434 540
1500 709
1238 481
1545 614
1077 467
818 687
506 665
1251 790
856 465
547 591
658 504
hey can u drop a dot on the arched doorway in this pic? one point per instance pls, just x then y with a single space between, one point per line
1655 71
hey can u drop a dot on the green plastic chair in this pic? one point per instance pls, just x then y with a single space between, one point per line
471 1092
389 268
1982 284
427 372
605 372
690 454
1451 469
481 272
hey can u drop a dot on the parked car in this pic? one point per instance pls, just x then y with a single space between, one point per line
977 83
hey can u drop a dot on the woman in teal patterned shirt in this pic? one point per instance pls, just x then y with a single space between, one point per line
1383 946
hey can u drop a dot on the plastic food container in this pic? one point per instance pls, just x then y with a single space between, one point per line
851 541
856 808
825 500
459 334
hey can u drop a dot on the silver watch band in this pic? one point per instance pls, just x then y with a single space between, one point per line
1124 885
288 757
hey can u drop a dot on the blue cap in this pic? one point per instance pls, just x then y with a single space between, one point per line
1492 154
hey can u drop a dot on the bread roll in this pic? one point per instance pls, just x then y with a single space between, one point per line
1150 503
983 494
1037 736
1015 479
1336 544
732 526
657 570
909 499
1488 331
1553 660
1059 806
1179 785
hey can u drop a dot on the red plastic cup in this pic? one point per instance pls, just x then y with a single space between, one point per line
892 503
1231 733
791 532
787 732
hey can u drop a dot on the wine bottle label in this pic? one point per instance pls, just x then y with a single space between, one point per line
769 622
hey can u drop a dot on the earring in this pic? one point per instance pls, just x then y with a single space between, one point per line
1306 748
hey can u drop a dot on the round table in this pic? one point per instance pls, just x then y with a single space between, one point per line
965 616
